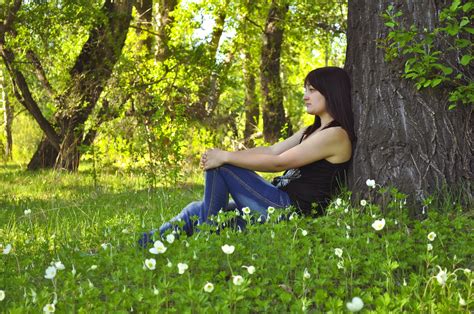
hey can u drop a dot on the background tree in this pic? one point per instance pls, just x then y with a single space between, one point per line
88 75
273 113
406 138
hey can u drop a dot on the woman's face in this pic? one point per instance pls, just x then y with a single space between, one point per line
314 101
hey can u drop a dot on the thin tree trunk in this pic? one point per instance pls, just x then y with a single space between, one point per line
7 117
407 138
165 20
145 22
252 111
274 119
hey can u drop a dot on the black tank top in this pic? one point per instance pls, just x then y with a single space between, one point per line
311 187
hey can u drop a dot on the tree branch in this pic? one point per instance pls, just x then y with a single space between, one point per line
20 87
40 73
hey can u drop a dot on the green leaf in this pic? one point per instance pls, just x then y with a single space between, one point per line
466 59
470 30
390 24
455 5
464 21
436 82
451 107
468 7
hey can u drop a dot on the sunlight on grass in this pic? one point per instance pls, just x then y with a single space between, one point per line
70 246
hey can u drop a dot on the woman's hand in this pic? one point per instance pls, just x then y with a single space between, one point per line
213 158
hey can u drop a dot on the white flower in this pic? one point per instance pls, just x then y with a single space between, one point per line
104 245
170 238
169 264
49 308
73 271
7 249
304 233
467 271
208 287
338 252
272 234
182 268
442 276
250 269
125 231
363 202
462 302
59 265
158 248
431 236
2 295
237 280
340 264
228 249
306 274
246 210
370 183
338 202
155 291
27 212
150 263
355 305
93 267
270 209
50 272
429 247
404 282
379 224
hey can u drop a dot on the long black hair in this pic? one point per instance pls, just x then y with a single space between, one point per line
334 84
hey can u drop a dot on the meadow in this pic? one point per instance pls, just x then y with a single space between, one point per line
69 244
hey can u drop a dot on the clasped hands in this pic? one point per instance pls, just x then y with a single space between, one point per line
212 158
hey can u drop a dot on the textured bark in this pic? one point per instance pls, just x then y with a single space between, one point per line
145 19
273 113
165 20
252 112
7 117
407 138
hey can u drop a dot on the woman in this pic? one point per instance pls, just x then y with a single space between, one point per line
316 159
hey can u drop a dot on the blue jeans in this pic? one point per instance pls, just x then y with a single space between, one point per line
247 189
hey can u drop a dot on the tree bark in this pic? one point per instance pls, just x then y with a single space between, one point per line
165 20
7 117
407 138
274 119
252 111
145 21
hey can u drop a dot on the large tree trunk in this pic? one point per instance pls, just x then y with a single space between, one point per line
7 117
274 119
407 138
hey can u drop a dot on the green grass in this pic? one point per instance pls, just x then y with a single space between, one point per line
72 219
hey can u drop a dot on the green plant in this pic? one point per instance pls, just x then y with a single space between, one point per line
435 57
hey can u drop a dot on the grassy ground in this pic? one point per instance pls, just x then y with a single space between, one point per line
91 231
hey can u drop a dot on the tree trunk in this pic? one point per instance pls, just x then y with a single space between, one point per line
165 20
145 17
274 119
252 111
407 138
7 117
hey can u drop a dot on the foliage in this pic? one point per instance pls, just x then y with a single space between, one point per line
93 233
440 56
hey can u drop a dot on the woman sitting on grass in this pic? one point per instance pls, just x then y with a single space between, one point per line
315 158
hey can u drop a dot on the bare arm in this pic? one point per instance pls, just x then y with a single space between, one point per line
276 148
333 142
